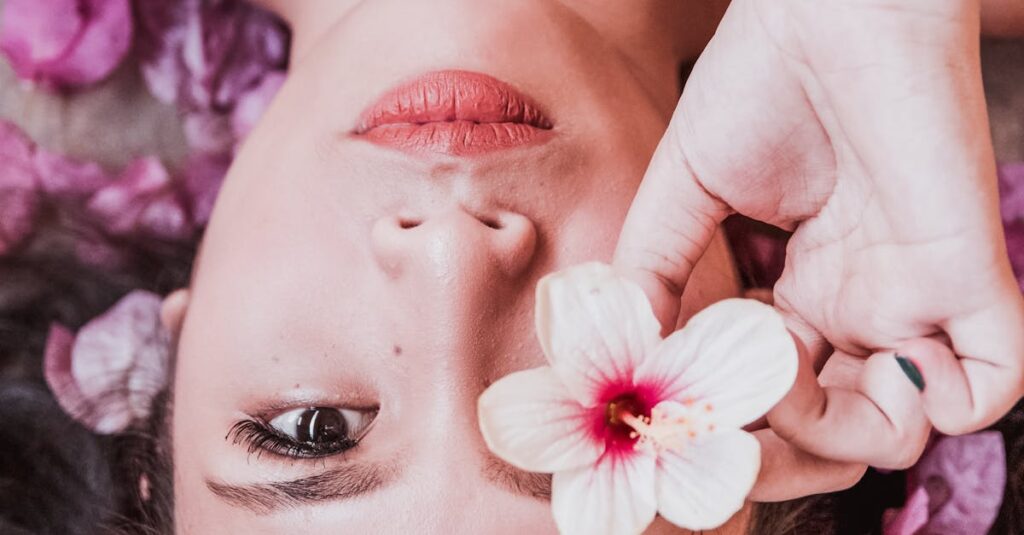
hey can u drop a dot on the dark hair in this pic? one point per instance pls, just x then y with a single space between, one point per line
58 478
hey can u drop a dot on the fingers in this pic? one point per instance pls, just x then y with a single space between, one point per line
670 224
872 416
965 394
788 472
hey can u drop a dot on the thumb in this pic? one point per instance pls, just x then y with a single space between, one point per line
672 221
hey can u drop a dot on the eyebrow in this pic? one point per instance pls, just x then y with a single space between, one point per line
359 479
336 484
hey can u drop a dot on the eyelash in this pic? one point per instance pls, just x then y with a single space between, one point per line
259 437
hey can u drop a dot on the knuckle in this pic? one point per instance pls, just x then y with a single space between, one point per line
909 446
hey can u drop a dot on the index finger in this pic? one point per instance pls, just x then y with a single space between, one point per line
670 224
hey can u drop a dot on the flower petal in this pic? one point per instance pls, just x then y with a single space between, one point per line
120 361
909 519
965 477
527 420
615 496
735 357
595 328
705 484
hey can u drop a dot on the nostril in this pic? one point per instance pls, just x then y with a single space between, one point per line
409 223
492 223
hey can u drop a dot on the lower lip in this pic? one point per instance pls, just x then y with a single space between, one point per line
455 113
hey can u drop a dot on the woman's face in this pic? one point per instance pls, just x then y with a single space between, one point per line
374 254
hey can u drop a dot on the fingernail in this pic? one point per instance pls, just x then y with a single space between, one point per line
912 371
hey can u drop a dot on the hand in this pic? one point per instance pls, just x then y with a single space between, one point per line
861 126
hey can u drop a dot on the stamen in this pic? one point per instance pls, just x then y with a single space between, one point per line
660 431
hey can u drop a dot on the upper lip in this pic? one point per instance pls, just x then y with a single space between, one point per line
455 112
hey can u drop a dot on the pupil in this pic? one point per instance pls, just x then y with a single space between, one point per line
320 425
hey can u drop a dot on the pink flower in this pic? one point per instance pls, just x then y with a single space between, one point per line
143 201
107 375
908 520
632 425
65 43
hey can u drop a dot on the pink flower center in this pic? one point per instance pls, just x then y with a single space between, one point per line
618 404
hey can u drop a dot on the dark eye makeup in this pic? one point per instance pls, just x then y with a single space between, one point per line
304 433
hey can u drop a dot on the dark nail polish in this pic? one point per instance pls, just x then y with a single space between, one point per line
912 371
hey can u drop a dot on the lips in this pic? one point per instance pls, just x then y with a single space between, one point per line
456 113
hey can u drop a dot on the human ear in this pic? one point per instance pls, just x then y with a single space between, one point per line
172 311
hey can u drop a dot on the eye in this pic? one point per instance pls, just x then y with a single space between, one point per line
310 432
321 425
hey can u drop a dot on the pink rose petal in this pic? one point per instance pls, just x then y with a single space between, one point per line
1015 246
203 177
1011 191
34 33
120 362
63 177
19 199
57 371
66 43
910 518
142 201
965 478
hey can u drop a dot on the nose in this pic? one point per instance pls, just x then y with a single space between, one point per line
456 247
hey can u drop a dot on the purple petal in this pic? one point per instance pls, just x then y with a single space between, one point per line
19 198
57 371
99 48
120 361
1011 191
1015 246
203 176
65 178
36 32
18 211
160 39
965 478
908 519
66 43
142 202
204 55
